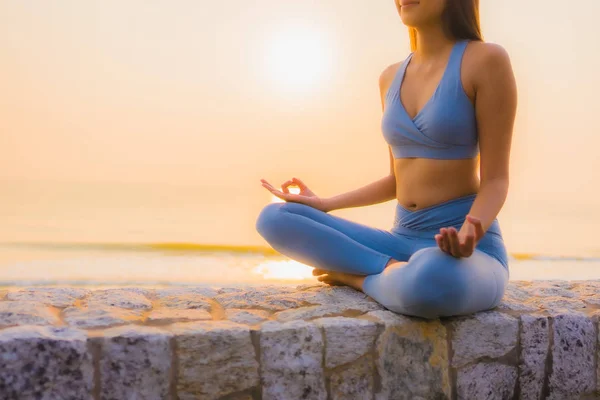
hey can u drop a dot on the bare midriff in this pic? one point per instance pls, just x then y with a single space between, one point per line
423 182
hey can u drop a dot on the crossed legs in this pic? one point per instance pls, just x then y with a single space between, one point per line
404 274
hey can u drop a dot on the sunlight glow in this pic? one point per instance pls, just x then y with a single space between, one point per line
297 57
287 269
275 199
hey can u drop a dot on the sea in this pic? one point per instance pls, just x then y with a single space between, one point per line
111 234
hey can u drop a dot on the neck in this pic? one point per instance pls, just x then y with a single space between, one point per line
431 41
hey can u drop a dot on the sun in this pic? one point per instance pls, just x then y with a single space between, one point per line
297 57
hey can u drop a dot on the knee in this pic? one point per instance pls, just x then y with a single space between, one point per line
433 288
274 216
268 218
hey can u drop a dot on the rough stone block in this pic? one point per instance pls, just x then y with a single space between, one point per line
517 292
311 312
44 363
13 313
573 348
291 361
248 317
342 296
512 305
514 299
411 358
128 298
554 288
56 297
491 381
485 334
555 304
171 316
535 340
185 301
588 291
216 359
258 299
275 288
206 291
347 339
135 363
354 382
242 396
100 316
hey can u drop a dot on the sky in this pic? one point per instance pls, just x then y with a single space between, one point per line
216 95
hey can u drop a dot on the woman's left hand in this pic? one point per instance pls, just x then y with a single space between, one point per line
463 243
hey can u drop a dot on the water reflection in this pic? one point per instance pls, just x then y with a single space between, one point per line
284 269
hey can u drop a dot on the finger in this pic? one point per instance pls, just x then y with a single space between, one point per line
296 198
268 185
273 190
270 188
300 184
444 240
284 186
479 232
455 240
468 246
318 271
438 240
454 245
459 242
281 195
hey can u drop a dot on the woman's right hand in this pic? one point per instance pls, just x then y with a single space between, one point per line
306 196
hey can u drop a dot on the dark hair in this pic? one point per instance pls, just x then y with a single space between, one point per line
460 20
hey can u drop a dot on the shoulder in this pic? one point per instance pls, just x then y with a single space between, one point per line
485 53
485 61
389 71
387 76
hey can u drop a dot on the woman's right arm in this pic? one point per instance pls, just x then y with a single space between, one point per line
379 191
383 189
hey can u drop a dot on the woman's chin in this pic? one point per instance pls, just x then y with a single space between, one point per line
410 21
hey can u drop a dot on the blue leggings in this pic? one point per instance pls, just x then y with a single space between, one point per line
431 284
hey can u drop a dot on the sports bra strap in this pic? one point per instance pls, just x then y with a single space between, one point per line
456 57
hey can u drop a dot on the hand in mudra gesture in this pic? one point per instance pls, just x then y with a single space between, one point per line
306 196
461 243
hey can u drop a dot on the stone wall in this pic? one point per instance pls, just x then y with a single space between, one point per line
294 342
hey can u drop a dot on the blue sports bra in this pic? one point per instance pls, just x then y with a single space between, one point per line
445 128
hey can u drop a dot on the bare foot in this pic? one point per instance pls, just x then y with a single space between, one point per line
392 261
323 276
334 278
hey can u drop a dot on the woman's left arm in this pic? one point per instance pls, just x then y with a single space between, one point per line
495 108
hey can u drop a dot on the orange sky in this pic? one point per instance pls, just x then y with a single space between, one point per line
195 93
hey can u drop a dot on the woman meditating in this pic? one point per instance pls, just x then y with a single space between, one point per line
448 109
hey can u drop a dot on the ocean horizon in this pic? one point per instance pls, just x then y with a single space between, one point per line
166 264
71 211
99 233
